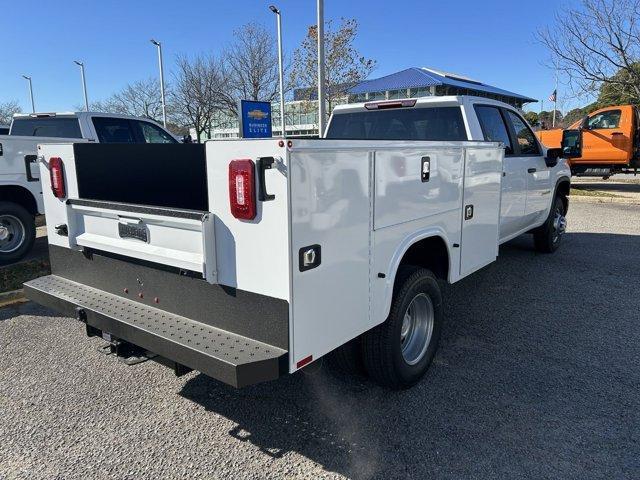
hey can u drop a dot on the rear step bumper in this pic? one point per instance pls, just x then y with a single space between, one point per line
233 359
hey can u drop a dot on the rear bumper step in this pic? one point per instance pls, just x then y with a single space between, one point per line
233 359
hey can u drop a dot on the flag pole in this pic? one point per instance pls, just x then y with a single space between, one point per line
555 102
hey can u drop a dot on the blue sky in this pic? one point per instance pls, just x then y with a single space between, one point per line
490 40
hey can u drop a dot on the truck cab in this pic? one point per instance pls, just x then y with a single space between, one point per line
20 188
530 177
606 141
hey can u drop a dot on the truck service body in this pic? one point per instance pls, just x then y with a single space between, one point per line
250 259
20 188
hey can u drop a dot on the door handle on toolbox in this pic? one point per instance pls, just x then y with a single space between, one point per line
264 163
532 170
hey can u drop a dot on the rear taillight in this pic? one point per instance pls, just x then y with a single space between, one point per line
242 190
56 171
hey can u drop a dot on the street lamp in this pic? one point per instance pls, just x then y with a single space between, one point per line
164 106
279 22
84 84
28 79
321 79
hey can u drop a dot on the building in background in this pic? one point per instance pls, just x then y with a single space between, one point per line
302 112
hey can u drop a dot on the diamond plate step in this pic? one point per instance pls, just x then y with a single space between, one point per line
228 357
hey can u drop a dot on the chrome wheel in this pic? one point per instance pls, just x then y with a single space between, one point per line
559 223
12 233
417 328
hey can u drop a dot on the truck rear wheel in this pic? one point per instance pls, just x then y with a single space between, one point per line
547 237
398 352
17 232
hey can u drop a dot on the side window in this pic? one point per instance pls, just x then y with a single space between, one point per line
153 134
493 126
113 130
58 127
526 139
605 120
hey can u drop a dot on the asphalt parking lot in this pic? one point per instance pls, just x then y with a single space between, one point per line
537 376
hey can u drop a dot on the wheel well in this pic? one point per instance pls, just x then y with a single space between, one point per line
19 195
563 190
430 253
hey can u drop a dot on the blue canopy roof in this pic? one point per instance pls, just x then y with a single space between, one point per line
422 77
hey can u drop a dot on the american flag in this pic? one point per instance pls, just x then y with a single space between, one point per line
553 96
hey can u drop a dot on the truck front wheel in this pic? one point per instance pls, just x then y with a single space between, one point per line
547 237
398 352
17 232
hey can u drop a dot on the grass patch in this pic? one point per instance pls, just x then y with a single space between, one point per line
13 276
579 192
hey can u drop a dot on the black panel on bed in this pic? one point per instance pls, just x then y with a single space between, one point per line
164 175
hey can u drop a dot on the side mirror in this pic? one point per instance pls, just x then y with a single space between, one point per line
584 125
187 139
552 157
571 143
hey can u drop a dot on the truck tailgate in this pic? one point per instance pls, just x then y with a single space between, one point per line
179 238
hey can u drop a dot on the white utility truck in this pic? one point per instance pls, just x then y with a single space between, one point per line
20 189
249 259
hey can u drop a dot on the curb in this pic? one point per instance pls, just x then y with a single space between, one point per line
14 296
594 199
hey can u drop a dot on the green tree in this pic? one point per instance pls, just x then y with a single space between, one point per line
532 118
618 90
574 115
546 118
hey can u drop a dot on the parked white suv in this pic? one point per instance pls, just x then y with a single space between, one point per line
20 189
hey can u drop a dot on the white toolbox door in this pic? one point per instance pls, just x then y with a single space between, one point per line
480 208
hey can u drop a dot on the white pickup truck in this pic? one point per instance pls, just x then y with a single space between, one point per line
20 189
249 259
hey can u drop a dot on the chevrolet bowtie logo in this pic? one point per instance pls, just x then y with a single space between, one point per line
257 114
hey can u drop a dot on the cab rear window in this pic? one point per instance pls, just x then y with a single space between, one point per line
57 127
422 123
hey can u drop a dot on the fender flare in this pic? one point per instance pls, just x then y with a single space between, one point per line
402 248
561 179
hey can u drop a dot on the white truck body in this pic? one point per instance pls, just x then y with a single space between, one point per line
326 247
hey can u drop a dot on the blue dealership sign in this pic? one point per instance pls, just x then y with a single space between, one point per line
255 119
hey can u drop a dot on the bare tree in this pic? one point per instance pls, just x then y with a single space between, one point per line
199 93
597 44
250 63
141 99
7 110
344 67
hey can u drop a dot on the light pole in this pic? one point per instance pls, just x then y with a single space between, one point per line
279 19
321 80
164 106
28 79
84 84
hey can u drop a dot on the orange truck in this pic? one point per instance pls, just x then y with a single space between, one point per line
603 143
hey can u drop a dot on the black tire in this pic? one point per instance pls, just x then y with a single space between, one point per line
382 346
18 227
547 238
347 358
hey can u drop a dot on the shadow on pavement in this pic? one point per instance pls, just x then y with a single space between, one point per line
537 375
